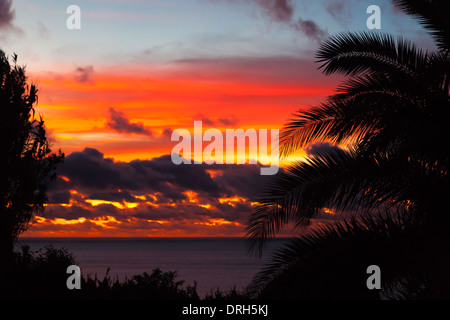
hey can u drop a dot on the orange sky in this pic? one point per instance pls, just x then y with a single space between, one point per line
78 110
112 91
77 113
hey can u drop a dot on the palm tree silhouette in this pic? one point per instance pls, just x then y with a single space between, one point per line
391 114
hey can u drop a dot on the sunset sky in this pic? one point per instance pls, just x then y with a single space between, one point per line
112 93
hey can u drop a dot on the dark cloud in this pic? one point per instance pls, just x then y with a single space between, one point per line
164 185
120 123
43 30
335 8
283 11
203 119
59 197
241 180
396 9
228 121
165 175
115 196
207 122
223 121
167 132
88 169
319 148
6 13
70 213
278 10
84 74
311 30
341 11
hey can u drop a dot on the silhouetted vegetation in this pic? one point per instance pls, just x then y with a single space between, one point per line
331 262
155 286
392 117
27 164
42 275
231 294
26 169
392 114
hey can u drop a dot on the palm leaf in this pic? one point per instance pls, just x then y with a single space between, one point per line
299 193
364 52
433 15
330 262
343 119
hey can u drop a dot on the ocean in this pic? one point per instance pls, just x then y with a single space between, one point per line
213 262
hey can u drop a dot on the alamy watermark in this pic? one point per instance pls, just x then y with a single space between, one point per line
73 22
374 20
374 280
74 280
235 141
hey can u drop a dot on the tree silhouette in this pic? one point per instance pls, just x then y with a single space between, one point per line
331 262
27 164
392 114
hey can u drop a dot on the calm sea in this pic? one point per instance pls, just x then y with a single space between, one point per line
212 262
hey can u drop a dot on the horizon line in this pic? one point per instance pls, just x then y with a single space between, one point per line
137 237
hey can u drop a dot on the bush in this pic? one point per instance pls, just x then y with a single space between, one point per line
155 286
42 275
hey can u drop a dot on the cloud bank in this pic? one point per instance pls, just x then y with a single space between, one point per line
150 197
120 123
7 14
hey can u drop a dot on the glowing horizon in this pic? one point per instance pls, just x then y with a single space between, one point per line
112 93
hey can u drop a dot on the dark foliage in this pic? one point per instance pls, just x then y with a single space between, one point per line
36 275
331 262
27 164
392 114
231 294
43 275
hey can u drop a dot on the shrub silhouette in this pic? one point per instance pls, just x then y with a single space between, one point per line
27 167
27 164
38 275
42 275
157 285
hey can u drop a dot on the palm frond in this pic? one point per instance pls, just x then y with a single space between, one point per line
433 15
394 112
387 81
364 52
438 74
343 180
330 262
298 194
348 117
306 126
